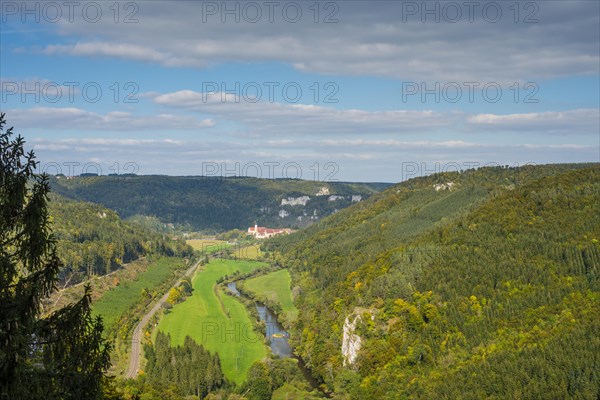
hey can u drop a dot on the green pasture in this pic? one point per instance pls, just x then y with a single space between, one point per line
119 299
217 321
276 288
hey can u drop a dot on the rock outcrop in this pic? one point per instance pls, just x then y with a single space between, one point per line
443 186
295 201
324 191
351 342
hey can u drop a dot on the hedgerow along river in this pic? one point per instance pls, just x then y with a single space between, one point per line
276 335
278 338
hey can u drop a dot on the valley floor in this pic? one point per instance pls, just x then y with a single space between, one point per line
217 321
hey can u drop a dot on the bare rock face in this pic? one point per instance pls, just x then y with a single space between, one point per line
324 191
443 186
297 201
334 198
351 342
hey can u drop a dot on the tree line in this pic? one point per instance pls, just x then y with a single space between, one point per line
92 240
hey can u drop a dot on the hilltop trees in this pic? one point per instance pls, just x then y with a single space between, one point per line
489 290
212 203
64 355
92 240
190 368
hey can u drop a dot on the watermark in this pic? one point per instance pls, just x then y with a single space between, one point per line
228 333
225 333
452 12
454 92
74 169
319 172
54 92
253 12
409 170
52 12
218 250
254 92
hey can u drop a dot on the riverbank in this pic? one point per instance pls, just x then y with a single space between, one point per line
274 324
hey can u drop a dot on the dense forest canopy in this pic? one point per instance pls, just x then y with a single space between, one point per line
484 286
189 367
93 240
215 203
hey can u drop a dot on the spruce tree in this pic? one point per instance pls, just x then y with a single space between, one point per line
61 356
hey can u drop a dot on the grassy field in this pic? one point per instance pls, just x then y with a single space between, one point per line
289 392
248 252
207 245
99 284
275 287
217 321
119 299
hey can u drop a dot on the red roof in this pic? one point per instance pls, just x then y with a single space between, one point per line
263 230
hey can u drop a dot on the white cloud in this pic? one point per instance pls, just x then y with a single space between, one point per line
367 160
285 120
370 38
128 51
35 89
582 121
69 118
290 121
297 119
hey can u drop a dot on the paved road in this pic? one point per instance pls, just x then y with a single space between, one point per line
136 342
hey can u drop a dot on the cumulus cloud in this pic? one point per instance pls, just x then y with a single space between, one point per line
583 121
70 118
195 111
264 118
545 40
298 119
119 50
360 159
373 38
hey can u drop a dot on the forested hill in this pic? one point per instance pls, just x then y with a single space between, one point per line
217 203
482 284
93 240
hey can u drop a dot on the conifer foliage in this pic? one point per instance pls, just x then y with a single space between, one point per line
63 355
191 368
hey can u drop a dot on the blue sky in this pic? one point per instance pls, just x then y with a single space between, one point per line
183 88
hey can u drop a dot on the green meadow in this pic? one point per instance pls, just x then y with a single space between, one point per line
121 298
274 288
207 245
248 252
217 321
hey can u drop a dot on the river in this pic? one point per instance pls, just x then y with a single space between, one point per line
276 335
278 339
